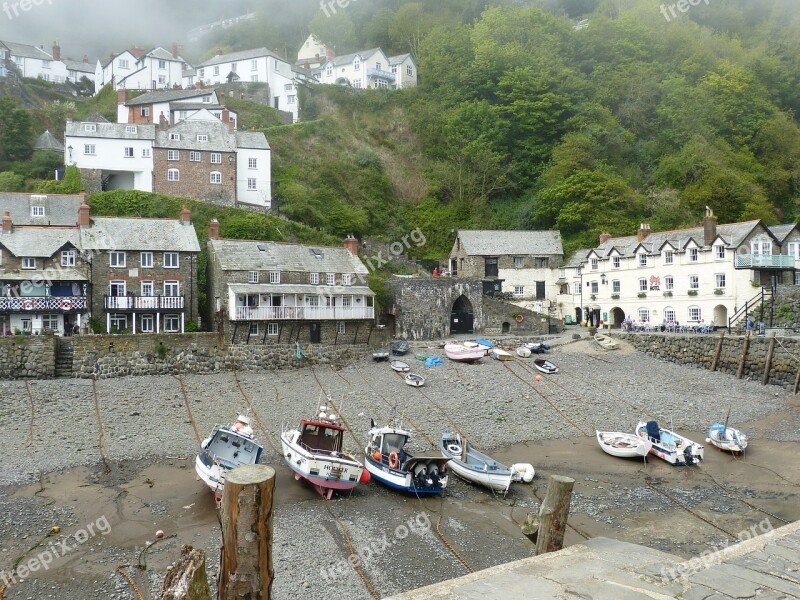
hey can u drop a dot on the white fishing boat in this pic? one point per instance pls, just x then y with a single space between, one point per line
227 447
727 438
400 366
314 452
389 463
523 352
415 380
380 356
545 366
499 354
625 445
670 446
605 341
461 353
476 467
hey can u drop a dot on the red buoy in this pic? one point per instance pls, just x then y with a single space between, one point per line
365 477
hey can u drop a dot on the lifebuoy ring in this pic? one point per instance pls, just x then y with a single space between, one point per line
394 460
66 304
454 449
27 305
520 318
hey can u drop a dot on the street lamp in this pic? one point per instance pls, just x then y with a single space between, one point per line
69 149
603 279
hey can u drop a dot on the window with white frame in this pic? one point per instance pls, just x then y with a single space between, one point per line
642 259
720 280
171 260
173 175
28 263
50 322
216 70
37 211
797 277
669 315
761 247
694 313
251 184
341 327
172 288
330 279
643 285
719 252
254 64
357 83
312 301
615 262
693 255
162 79
173 155
272 329
694 282
147 289
89 149
346 278
130 128
252 163
347 302
216 158
409 71
195 156
162 64
274 276
794 250
519 290
313 278
594 287
252 277
175 137
291 99
90 127
215 177
669 283
201 137
129 152
146 324
68 258
593 264
144 111
288 87
254 328
254 78
146 260
329 70
119 322
116 259
356 65
172 323
669 257
644 315
145 152
519 262
615 286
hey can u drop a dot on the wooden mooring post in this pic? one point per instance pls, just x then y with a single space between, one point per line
745 348
547 529
768 363
245 570
718 351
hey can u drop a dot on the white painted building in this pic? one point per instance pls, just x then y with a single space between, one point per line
123 154
253 169
257 65
312 54
77 70
34 62
173 105
370 69
135 69
404 69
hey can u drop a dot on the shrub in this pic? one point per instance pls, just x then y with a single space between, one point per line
693 292
642 295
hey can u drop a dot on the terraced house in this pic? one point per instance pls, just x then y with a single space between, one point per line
268 291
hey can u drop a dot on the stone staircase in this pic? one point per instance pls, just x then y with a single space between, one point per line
64 356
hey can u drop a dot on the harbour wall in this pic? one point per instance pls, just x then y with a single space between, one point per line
27 357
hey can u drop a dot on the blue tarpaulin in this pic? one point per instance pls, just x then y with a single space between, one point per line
433 361
483 342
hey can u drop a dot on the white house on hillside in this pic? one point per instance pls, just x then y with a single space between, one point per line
370 69
135 69
312 53
258 64
34 62
404 68
173 105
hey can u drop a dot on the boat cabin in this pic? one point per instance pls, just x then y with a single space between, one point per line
319 436
389 442
231 447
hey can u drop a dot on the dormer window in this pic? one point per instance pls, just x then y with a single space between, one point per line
90 127
668 257
693 255
593 263
356 64
615 262
642 259
719 252
175 137
37 211
130 129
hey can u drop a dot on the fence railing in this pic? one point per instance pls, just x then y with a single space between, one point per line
144 302
764 261
54 304
300 313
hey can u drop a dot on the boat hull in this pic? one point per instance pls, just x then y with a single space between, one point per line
623 445
727 439
325 472
499 354
400 479
605 341
672 447
460 353
545 366
400 366
415 380
213 477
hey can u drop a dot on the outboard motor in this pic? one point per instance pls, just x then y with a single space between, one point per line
689 456
434 474
421 478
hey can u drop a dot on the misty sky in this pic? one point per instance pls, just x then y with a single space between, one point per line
96 27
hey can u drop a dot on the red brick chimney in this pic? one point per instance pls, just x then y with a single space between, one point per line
163 122
330 53
351 244
56 51
186 216
225 117
122 97
644 231
83 216
7 222
175 50
604 237
709 227
213 230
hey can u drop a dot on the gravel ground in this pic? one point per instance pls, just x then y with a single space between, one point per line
148 439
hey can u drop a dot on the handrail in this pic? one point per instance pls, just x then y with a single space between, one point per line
750 305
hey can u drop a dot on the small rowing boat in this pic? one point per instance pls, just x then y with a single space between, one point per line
523 352
727 438
476 467
400 366
545 366
624 445
670 446
499 354
605 341
415 380
461 353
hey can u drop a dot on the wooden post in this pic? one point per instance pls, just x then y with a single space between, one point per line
768 364
745 348
717 352
796 382
553 514
186 579
245 570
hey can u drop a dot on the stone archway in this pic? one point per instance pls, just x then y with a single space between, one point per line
721 315
462 316
617 316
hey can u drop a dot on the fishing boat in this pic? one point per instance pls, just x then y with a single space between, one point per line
545 366
313 450
399 347
415 380
227 447
670 446
380 356
625 445
727 438
605 341
389 463
523 352
499 354
400 366
461 353
476 467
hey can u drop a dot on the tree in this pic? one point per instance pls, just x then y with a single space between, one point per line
16 136
11 182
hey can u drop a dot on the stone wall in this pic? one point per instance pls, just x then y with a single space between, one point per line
698 350
787 306
27 357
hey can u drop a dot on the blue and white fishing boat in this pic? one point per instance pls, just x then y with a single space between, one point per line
227 447
670 446
726 438
476 467
389 463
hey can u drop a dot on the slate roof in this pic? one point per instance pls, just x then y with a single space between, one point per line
237 56
130 234
254 140
578 258
195 106
781 231
110 131
346 59
58 210
237 255
220 138
396 60
78 65
27 51
478 242
156 97
299 288
161 54
39 242
47 141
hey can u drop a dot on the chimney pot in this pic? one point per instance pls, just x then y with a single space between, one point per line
644 231
7 225
56 51
213 229
186 215
83 216
351 244
709 227
604 237
122 97
175 50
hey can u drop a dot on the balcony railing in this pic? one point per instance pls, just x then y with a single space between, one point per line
764 261
381 74
302 313
144 303
50 304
